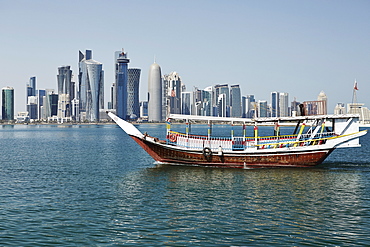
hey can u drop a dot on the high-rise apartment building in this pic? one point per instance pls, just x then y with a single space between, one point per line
235 101
121 85
133 107
7 109
154 93
91 87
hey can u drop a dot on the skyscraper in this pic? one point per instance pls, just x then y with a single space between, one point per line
262 108
275 104
251 106
31 87
221 105
235 98
208 99
7 103
91 87
223 89
31 92
121 85
322 107
244 106
133 107
154 93
283 105
40 102
186 103
65 91
171 93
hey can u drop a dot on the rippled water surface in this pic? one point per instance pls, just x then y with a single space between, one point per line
94 186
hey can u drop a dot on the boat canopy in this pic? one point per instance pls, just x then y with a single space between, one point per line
264 119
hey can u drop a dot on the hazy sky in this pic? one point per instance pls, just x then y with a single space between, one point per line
298 47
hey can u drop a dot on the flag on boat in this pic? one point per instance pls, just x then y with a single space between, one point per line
355 86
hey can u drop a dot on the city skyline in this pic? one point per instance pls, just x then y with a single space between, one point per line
287 46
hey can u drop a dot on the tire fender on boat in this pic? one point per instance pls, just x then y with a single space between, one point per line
207 152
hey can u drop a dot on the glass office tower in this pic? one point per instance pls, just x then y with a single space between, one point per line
8 103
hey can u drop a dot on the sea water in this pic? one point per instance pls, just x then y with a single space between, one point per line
94 186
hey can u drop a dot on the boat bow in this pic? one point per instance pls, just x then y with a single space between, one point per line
129 128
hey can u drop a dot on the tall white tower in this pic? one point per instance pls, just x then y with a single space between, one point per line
154 93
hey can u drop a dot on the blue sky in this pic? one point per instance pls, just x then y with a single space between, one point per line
299 47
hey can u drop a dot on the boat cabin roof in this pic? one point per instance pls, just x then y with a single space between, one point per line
261 120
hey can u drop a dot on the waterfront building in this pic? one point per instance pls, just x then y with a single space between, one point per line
222 105
208 101
53 99
91 87
40 102
186 101
339 109
31 87
322 108
275 104
360 109
133 107
283 105
154 93
75 109
31 92
235 101
197 101
262 108
32 107
7 109
244 107
113 98
223 89
65 91
144 109
121 85
64 110
171 94
295 109
46 107
251 106
22 117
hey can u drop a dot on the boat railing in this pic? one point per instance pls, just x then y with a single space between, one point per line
241 143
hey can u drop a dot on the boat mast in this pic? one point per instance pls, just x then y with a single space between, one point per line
354 95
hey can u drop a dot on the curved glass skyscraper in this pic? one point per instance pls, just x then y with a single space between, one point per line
91 93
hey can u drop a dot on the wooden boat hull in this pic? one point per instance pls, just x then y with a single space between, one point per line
290 158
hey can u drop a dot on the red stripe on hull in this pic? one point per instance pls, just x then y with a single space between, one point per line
166 154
